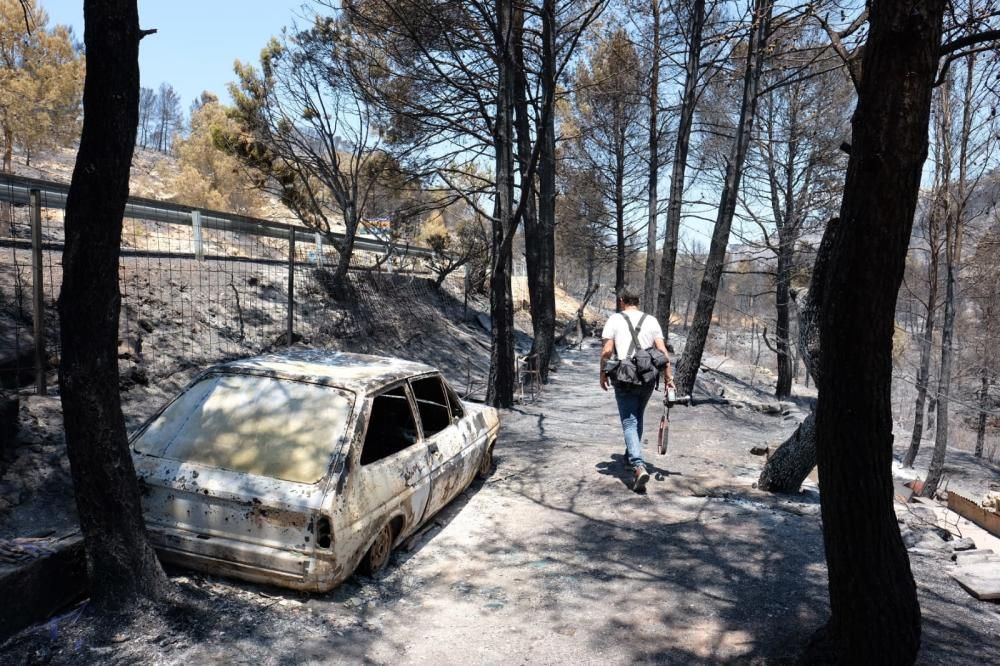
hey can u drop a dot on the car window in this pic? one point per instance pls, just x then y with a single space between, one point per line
457 411
432 405
257 425
391 426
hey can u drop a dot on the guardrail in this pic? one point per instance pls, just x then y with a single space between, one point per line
17 190
228 285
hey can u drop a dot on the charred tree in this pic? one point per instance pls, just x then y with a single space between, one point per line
940 212
122 565
875 616
687 369
500 391
539 223
984 403
954 225
790 464
545 244
668 262
653 177
926 342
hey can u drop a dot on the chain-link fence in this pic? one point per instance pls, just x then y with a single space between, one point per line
197 286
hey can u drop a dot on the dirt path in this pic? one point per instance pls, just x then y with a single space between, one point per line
554 559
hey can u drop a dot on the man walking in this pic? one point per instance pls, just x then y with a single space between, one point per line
632 399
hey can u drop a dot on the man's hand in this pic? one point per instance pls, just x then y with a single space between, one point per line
607 349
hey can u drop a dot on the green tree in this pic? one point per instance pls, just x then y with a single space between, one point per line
209 177
305 127
41 81
610 116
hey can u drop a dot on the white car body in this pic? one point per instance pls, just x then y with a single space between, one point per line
284 468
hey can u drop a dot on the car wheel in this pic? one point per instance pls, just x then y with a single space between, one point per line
378 555
486 464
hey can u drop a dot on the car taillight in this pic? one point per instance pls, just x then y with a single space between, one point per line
324 535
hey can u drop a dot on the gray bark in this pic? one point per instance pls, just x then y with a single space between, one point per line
668 262
687 369
791 463
122 565
649 281
500 389
984 395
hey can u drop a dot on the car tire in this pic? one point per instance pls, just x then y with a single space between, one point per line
486 464
378 554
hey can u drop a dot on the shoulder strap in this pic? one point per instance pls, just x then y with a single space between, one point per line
634 331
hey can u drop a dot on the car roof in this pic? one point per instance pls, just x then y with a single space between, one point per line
361 373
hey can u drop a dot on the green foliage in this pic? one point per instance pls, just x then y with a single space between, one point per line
209 177
41 81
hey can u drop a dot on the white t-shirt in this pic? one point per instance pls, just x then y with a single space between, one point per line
616 328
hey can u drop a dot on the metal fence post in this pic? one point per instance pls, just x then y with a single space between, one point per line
199 248
291 285
38 290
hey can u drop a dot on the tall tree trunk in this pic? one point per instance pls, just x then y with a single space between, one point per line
926 345
345 252
936 469
539 233
8 150
649 282
668 262
619 197
782 299
875 616
500 391
939 213
121 563
953 259
790 464
984 396
545 241
687 369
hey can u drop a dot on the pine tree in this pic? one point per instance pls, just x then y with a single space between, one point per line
41 82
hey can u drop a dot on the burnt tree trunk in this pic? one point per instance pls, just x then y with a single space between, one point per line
939 213
875 616
984 396
790 464
687 369
936 469
782 301
619 199
345 250
122 566
500 391
953 259
668 262
649 281
926 345
539 227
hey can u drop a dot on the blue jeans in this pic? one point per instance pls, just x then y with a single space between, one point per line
631 407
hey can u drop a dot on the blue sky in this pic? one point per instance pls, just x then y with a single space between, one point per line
197 41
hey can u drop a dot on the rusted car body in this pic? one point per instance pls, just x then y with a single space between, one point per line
293 468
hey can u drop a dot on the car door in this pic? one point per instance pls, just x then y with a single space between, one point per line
390 476
447 444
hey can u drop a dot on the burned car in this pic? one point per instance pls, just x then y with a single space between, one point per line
295 469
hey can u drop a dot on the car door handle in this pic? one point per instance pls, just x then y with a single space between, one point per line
433 448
